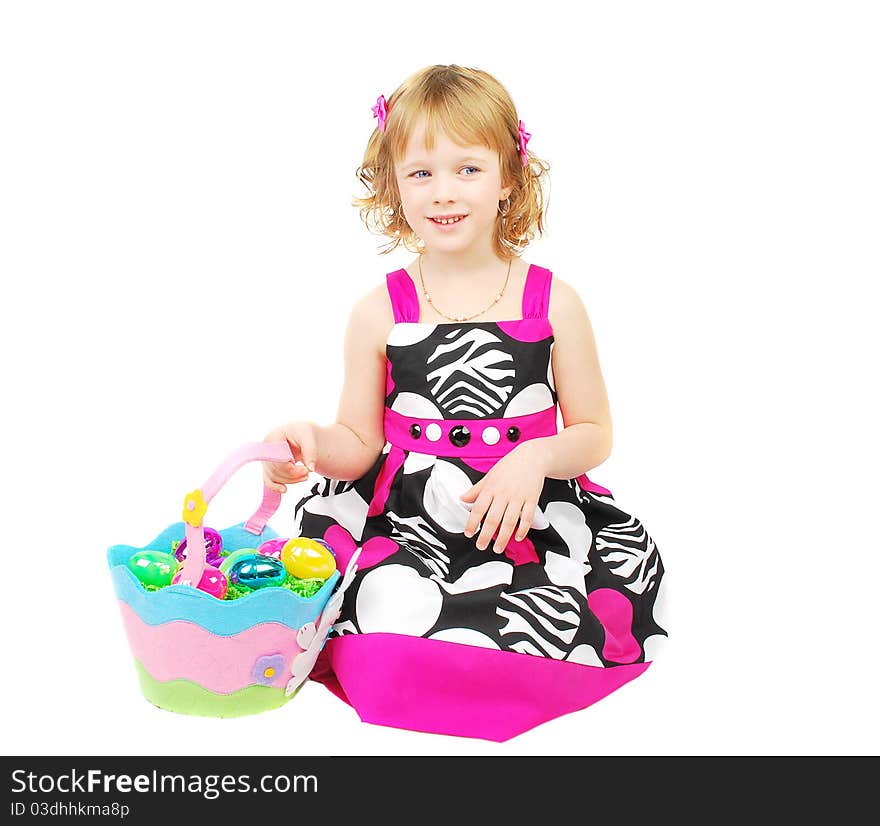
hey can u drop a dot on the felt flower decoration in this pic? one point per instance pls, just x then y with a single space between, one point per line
194 508
266 669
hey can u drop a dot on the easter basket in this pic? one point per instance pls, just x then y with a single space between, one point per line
198 651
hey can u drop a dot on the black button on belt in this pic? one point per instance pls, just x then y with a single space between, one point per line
512 433
415 430
459 435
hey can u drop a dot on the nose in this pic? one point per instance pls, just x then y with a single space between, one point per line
444 189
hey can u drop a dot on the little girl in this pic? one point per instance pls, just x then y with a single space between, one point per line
497 586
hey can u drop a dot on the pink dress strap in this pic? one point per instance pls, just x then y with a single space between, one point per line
404 299
536 295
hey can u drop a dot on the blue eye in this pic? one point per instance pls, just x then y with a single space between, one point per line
416 173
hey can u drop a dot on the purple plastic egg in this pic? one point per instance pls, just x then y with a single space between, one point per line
272 547
213 548
326 545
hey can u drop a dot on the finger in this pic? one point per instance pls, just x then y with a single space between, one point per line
295 449
477 512
295 475
309 449
490 523
525 520
282 474
508 523
287 472
472 493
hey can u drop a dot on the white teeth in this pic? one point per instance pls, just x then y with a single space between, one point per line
447 221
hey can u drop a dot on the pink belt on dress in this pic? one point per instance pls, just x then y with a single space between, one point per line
479 440
474 438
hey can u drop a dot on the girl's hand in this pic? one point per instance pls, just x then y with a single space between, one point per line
507 495
303 440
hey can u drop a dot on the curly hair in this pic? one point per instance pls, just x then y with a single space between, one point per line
473 108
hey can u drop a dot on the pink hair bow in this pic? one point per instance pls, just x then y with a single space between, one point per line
380 110
523 140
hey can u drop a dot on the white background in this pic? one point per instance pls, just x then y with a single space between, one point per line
179 255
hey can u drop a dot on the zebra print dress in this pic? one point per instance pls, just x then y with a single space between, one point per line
436 635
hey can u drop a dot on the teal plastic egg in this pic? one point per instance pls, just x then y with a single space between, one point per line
230 559
155 568
257 571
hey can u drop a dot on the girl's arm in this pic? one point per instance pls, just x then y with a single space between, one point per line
586 438
349 447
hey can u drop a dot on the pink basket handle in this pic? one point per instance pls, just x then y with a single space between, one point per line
195 504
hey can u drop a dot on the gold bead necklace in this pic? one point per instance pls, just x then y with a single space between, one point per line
462 318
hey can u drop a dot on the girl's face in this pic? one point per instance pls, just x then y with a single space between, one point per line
451 180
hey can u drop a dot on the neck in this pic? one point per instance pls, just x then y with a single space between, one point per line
458 268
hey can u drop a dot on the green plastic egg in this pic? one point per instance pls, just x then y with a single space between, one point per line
228 561
154 568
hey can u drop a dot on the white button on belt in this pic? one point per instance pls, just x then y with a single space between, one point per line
433 432
491 435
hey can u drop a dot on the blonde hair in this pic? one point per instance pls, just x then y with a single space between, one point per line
472 107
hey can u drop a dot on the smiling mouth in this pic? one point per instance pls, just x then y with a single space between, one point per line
448 221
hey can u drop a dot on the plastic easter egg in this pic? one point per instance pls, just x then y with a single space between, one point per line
326 545
213 582
213 548
228 561
272 547
154 568
257 571
307 558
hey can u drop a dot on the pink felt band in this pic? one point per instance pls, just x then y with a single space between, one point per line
483 433
193 563
270 503
251 452
181 650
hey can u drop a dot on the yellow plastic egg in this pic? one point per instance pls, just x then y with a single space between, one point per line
307 559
